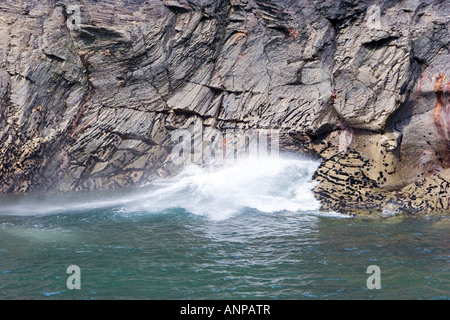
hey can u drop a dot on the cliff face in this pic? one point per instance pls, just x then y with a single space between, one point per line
90 92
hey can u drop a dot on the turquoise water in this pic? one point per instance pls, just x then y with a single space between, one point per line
253 231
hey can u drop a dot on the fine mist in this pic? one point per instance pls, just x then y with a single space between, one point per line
265 184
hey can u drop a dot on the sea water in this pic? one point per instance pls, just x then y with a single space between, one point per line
252 230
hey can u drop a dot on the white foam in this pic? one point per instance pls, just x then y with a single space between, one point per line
267 185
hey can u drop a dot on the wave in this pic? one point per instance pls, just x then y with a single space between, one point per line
263 184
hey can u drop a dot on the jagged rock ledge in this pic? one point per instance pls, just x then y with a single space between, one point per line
90 92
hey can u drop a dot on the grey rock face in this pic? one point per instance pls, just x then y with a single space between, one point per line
91 92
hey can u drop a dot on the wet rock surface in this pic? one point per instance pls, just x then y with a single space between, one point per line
90 93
